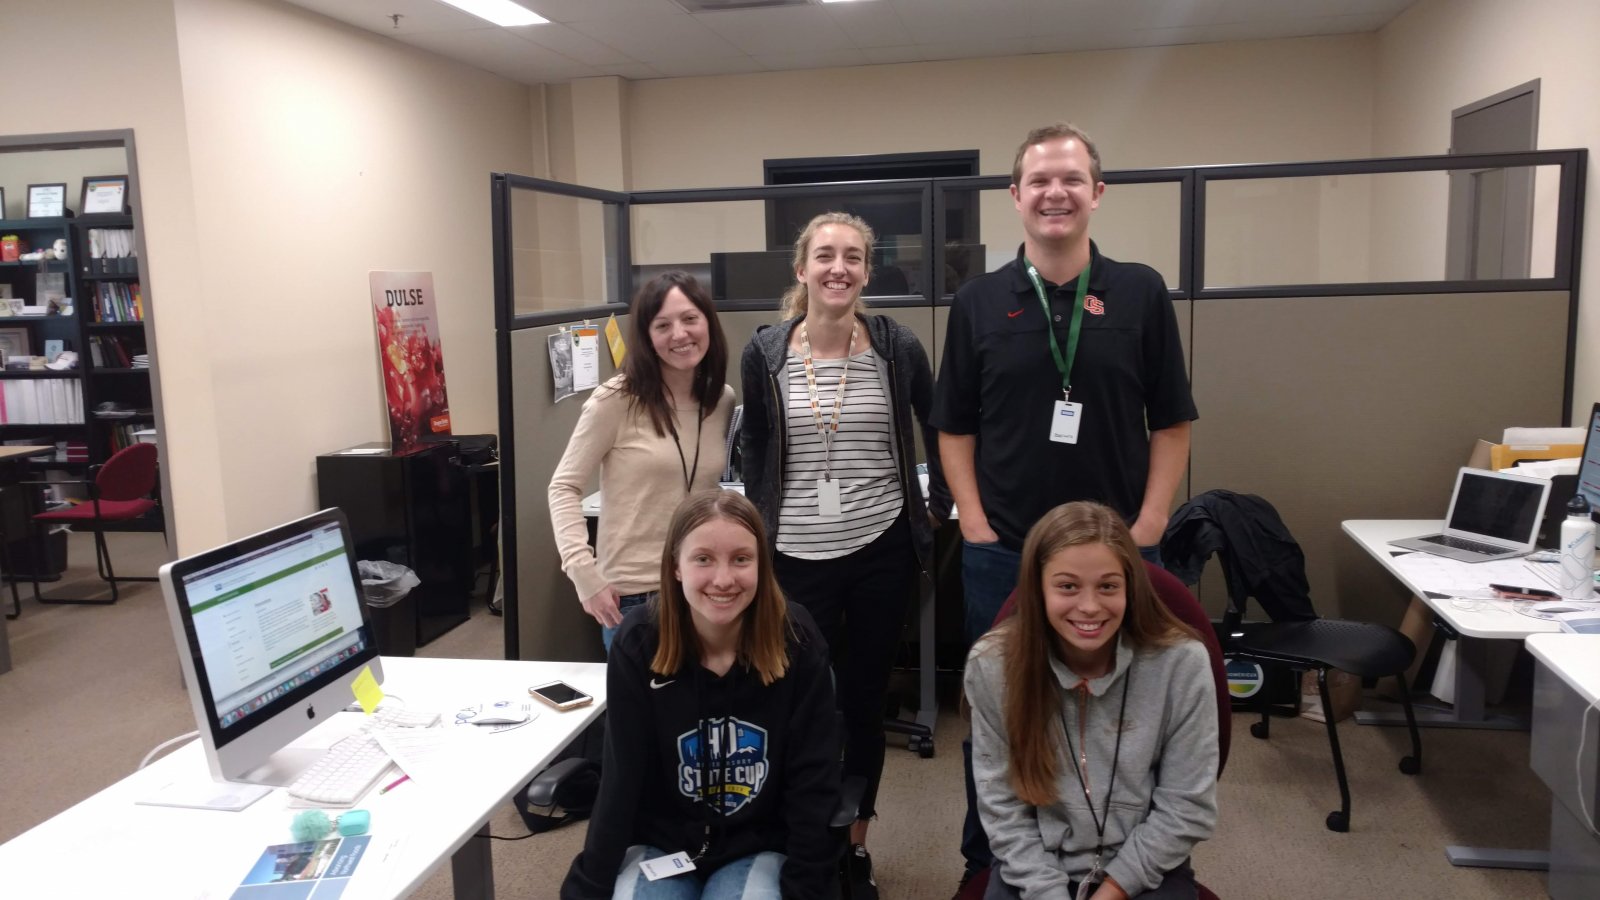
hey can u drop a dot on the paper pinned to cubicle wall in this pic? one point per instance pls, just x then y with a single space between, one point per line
585 358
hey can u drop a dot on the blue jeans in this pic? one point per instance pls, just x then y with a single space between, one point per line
989 575
747 878
624 603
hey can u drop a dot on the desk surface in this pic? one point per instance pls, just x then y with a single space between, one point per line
1574 657
1480 618
20 450
103 845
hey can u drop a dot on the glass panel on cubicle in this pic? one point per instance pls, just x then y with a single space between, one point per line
563 251
743 249
1389 227
1134 223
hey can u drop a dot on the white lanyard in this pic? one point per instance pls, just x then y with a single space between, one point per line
825 429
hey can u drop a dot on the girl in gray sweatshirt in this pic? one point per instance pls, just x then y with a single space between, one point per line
1094 725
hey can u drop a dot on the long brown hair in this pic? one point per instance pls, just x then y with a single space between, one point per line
641 368
794 299
1032 697
763 637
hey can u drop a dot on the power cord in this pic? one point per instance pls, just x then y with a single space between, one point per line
1583 803
164 745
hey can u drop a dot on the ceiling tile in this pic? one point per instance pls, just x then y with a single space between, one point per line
786 31
499 51
813 59
649 37
893 54
416 16
633 71
869 24
947 22
688 66
580 10
971 49
571 43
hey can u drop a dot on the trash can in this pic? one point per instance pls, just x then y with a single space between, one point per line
386 588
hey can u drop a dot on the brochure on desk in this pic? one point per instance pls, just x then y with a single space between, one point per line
308 870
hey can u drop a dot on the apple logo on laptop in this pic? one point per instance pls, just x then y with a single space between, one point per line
311 712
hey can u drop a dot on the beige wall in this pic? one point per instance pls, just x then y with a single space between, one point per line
18 170
319 153
1444 54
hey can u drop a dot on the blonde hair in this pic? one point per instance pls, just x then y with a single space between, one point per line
763 639
1031 698
1056 132
794 299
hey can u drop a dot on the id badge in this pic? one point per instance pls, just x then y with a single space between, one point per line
1065 420
828 505
667 866
1090 881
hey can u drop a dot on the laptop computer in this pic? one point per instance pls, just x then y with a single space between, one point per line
1493 515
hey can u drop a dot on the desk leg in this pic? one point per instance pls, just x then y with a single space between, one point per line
928 711
1495 858
1468 712
472 868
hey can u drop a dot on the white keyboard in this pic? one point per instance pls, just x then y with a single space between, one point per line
344 773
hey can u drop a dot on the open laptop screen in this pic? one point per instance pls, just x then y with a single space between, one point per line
1497 507
1589 469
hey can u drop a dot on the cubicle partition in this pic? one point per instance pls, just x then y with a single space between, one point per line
1336 372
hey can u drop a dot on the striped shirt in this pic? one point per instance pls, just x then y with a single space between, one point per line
862 460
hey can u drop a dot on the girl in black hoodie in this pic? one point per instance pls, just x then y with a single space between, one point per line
719 662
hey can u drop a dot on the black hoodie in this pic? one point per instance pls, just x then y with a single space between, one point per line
782 774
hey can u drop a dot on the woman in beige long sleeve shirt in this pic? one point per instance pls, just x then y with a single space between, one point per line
656 432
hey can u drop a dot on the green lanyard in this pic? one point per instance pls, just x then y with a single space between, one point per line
1063 363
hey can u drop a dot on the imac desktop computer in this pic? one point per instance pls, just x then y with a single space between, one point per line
271 632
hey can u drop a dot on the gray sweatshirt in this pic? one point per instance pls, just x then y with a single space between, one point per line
1165 798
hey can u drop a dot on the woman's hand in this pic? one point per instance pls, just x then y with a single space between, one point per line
603 606
1109 890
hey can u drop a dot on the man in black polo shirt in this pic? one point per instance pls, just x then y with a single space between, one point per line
1088 401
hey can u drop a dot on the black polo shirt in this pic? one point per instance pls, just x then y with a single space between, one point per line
998 381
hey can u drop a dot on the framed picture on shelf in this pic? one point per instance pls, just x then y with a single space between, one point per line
14 343
104 194
47 201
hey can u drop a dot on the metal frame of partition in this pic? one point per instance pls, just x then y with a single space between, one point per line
1191 181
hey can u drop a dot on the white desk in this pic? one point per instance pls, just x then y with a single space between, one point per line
107 846
1473 627
1566 685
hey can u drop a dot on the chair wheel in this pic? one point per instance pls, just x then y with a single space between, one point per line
1338 821
924 747
1410 765
1258 730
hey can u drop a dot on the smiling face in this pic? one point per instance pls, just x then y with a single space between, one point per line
719 565
835 270
1056 192
679 332
1085 598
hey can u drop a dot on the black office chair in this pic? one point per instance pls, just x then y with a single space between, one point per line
1261 559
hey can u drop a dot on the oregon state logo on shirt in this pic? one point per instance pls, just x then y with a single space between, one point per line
734 771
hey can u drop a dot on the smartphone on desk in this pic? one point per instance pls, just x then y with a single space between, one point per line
560 695
1517 592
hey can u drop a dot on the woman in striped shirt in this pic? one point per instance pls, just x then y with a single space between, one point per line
830 460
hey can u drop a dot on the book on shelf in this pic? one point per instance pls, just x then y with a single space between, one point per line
116 301
111 251
53 401
109 351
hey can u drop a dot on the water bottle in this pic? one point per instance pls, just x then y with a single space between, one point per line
1577 551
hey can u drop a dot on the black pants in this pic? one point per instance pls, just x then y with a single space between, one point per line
859 602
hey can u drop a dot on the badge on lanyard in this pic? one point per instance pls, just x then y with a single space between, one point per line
1064 422
667 866
1066 417
828 504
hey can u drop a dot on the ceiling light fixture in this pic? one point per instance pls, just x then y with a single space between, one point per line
500 12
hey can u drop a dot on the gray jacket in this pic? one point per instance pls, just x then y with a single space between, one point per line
908 382
1165 798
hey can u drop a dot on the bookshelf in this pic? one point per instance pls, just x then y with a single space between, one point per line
111 302
42 406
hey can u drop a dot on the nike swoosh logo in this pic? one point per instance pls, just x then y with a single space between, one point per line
1013 315
658 685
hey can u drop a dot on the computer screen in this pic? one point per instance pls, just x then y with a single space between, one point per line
271 631
1501 507
1589 468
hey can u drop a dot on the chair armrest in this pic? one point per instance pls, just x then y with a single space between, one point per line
542 789
851 790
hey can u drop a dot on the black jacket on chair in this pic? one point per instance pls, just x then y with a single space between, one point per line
1260 558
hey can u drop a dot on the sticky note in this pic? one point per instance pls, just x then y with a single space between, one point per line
366 689
614 341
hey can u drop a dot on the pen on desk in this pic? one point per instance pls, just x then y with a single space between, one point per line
394 784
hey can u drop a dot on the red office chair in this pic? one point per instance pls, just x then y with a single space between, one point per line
118 492
1183 604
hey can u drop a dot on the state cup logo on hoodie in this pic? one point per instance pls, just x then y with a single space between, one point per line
735 770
